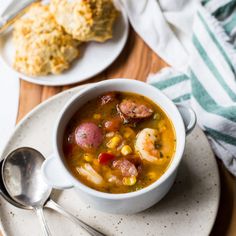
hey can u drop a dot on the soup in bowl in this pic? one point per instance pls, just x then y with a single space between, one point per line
118 143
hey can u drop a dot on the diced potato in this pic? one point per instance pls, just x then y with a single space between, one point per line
97 116
126 150
114 142
88 157
129 181
129 132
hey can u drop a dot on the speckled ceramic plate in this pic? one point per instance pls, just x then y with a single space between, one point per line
189 208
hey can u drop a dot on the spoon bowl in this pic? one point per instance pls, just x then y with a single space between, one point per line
23 181
7 197
22 178
22 184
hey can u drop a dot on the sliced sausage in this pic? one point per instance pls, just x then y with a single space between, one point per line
130 110
137 162
108 97
126 167
88 136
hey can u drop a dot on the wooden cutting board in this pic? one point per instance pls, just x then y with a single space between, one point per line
136 62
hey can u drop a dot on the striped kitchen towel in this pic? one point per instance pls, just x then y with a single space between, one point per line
209 85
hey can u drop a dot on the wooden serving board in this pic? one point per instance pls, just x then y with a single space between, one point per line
136 62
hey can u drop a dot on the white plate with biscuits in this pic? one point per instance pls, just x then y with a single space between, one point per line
94 56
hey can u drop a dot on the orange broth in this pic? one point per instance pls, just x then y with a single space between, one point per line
148 172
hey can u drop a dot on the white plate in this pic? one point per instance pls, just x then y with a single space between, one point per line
94 58
189 208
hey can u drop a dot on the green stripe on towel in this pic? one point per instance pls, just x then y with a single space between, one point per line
215 40
208 103
170 82
229 26
212 67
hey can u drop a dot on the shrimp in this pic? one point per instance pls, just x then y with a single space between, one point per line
145 145
90 174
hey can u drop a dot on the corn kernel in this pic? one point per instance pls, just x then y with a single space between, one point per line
88 157
97 116
129 181
126 150
129 132
114 142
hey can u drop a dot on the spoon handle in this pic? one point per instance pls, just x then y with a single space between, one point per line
53 205
44 226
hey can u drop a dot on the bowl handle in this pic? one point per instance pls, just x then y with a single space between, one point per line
188 116
54 173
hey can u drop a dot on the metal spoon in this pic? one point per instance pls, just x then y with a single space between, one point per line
5 195
24 184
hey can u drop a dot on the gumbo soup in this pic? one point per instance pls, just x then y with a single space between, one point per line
119 142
